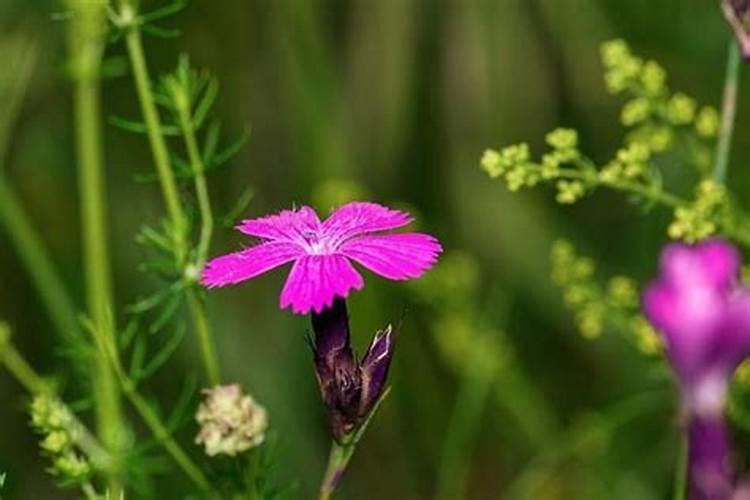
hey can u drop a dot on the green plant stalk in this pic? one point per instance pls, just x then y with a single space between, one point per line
207 346
195 303
736 232
87 35
156 139
17 365
162 434
108 351
201 188
341 453
462 427
338 460
728 112
38 264
169 185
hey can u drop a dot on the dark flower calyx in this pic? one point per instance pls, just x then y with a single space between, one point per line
349 388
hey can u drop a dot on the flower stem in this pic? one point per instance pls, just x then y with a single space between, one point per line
208 347
195 302
163 436
156 139
108 351
728 112
17 365
463 424
337 462
169 189
87 36
199 178
38 264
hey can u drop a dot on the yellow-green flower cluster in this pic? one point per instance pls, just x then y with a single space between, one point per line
513 163
698 220
595 306
654 114
515 166
54 421
631 162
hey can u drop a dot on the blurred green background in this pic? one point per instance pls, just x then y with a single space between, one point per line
392 101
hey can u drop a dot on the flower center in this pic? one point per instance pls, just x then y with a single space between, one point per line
316 245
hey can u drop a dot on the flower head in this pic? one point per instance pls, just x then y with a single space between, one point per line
322 252
704 314
231 421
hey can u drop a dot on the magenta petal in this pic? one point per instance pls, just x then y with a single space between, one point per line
249 263
358 218
315 280
289 225
714 263
394 256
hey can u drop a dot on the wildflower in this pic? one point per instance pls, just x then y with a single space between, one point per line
231 421
349 388
322 253
704 316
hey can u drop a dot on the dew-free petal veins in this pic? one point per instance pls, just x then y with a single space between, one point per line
249 263
394 256
291 225
357 218
316 280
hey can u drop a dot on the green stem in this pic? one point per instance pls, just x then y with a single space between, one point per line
156 139
337 463
169 185
341 453
203 330
728 112
462 426
38 264
17 365
87 36
201 188
163 436
161 433
195 303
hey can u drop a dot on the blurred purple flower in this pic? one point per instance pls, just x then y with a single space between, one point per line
704 313
322 251
349 388
737 13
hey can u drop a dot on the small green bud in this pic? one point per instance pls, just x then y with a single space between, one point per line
569 191
653 78
562 139
635 111
56 442
491 163
707 122
681 109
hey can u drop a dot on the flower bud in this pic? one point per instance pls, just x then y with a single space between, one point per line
349 388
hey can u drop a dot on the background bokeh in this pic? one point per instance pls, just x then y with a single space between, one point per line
392 101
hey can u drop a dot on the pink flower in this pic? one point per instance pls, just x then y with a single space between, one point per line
322 253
